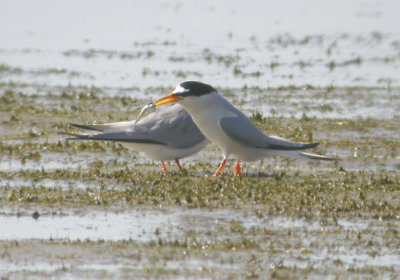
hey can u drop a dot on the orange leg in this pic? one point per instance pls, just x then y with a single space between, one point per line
163 166
179 165
220 168
237 170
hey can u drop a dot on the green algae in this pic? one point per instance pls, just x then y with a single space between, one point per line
349 194
111 178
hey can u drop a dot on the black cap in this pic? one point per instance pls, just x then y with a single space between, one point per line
195 88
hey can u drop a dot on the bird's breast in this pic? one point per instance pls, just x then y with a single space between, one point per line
208 123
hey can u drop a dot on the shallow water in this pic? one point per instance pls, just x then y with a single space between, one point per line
256 43
320 240
139 226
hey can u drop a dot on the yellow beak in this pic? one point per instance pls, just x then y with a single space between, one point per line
167 99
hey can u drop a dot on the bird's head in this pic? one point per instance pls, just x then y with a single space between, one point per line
186 92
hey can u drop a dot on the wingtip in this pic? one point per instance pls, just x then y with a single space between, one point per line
311 145
84 126
75 125
319 157
74 136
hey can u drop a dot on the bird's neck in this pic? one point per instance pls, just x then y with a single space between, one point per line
207 111
205 103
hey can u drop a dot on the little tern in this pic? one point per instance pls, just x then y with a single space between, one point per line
230 129
164 135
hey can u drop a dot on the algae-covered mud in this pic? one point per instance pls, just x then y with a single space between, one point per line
94 209
316 72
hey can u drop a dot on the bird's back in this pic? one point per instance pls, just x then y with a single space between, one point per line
173 126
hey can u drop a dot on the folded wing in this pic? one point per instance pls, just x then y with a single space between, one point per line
172 127
241 130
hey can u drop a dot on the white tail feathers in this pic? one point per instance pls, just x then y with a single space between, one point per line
300 155
316 157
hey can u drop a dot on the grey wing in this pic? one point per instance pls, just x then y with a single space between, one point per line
241 130
117 131
107 127
116 137
92 127
172 126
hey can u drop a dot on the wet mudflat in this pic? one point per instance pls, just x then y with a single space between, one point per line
93 210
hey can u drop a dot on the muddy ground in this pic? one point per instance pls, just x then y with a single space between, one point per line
303 70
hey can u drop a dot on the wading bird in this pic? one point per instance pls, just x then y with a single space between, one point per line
164 135
226 126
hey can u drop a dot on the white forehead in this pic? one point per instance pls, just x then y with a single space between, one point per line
180 89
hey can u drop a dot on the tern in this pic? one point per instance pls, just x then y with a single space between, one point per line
230 129
164 135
